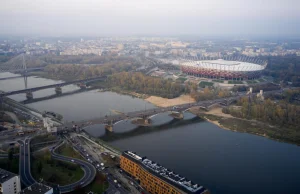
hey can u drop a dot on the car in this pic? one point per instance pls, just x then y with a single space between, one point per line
72 160
82 183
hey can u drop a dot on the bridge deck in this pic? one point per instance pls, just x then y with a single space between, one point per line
51 86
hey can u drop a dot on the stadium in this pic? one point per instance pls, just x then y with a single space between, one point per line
230 69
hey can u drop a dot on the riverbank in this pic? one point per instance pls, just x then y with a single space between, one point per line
165 102
228 122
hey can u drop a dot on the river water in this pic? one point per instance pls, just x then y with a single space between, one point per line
226 162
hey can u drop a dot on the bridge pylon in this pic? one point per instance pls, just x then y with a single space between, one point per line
177 115
58 90
29 95
109 126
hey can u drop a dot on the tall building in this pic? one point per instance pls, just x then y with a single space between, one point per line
157 179
9 182
37 188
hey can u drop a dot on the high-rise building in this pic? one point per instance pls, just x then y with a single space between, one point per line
9 182
157 179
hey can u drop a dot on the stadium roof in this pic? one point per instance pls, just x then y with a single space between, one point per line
224 65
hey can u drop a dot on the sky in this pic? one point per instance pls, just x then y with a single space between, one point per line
150 17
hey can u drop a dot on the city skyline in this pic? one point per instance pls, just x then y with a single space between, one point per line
161 18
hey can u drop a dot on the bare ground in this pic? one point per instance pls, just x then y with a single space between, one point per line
165 102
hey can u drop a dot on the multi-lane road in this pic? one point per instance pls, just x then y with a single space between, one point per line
88 168
25 169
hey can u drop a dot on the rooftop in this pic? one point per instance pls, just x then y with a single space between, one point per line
5 175
36 188
166 173
226 65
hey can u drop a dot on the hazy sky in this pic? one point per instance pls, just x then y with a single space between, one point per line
150 17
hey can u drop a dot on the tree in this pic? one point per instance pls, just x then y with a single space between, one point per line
10 155
40 167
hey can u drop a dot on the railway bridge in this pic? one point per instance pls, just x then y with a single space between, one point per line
143 117
58 87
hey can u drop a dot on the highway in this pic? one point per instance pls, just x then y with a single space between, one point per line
25 170
87 154
89 171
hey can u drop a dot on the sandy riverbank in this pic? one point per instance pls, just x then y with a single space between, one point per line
216 112
165 102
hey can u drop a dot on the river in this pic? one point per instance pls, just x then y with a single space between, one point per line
225 162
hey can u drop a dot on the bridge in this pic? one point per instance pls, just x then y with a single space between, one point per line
57 87
143 117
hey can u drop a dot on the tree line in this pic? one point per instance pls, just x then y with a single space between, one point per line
73 71
140 83
275 112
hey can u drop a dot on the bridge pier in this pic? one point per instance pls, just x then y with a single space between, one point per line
29 95
177 115
58 90
109 127
82 85
142 121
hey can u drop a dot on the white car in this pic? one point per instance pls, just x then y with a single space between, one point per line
72 160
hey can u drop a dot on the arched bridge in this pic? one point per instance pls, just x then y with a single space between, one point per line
145 115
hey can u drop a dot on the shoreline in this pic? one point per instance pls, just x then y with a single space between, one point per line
216 118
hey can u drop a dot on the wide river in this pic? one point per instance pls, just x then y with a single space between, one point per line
226 162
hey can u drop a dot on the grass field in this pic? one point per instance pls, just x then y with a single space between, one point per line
54 171
203 84
219 81
67 150
99 185
11 166
42 138
182 79
235 82
251 81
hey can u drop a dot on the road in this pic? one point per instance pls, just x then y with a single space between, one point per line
114 188
89 171
24 168
94 154
13 117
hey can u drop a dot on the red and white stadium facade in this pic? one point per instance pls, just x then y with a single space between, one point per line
224 69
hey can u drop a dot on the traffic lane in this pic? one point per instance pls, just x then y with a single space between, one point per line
91 159
82 182
89 175
27 162
112 184
22 172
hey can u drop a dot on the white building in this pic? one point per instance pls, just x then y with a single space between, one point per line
9 182
49 125
37 188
